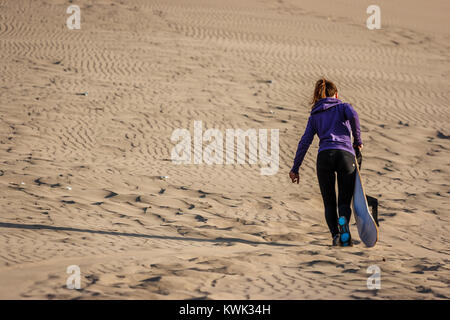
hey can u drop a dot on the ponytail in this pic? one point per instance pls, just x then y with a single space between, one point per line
324 88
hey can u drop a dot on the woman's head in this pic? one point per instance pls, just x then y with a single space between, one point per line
324 88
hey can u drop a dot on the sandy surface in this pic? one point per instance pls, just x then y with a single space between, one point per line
80 175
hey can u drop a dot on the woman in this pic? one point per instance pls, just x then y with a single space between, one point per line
333 121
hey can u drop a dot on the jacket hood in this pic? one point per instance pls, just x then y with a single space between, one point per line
325 104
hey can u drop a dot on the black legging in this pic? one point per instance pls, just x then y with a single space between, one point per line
342 162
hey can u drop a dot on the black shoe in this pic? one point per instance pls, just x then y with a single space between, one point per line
344 233
336 240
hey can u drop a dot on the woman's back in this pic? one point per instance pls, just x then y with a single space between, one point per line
333 121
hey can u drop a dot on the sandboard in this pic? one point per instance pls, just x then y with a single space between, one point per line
367 228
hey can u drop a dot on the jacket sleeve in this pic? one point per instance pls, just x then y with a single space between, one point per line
303 145
352 116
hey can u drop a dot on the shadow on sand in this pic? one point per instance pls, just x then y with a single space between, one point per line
136 235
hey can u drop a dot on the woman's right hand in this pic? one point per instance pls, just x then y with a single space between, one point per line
295 177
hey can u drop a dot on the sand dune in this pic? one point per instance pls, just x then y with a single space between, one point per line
87 179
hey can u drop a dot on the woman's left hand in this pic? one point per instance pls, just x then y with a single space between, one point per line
295 177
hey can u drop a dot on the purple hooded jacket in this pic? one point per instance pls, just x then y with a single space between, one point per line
333 121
